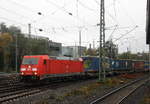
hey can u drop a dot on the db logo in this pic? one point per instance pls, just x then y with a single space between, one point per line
29 67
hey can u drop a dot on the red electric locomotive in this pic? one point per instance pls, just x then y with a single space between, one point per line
42 66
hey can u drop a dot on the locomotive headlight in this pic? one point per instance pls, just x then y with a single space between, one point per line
35 73
34 69
23 69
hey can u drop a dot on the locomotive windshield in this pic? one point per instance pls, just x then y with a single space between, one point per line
30 61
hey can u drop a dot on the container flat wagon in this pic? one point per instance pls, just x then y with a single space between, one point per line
91 64
121 65
137 65
146 66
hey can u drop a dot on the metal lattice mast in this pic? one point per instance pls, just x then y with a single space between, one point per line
102 39
30 45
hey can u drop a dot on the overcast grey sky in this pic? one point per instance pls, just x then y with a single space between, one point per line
61 20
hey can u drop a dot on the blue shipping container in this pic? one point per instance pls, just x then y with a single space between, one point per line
146 65
121 64
92 64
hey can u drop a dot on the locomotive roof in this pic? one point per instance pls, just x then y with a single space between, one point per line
36 56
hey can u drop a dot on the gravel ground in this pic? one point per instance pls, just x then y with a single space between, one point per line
9 78
83 92
53 93
76 92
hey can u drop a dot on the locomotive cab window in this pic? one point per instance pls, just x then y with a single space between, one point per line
31 61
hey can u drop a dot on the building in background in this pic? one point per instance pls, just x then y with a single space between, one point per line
67 51
73 51
36 37
55 48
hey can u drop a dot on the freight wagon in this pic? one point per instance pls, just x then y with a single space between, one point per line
137 65
146 66
91 64
121 65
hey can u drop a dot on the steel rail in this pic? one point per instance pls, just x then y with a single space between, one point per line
131 92
115 91
22 93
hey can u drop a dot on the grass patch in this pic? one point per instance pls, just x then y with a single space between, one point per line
43 102
146 100
89 89
85 90
59 98
111 82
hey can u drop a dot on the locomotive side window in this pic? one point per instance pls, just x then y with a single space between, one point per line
44 62
30 61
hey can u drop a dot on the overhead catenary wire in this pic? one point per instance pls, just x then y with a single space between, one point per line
34 11
65 4
19 23
118 28
48 15
86 8
13 21
125 34
110 37
69 13
13 12
114 19
97 2
23 6
122 7
82 4
64 10
95 11
114 3
52 28
28 8
63 28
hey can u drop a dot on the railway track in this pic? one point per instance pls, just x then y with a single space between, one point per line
10 96
18 94
118 95
12 88
6 86
20 91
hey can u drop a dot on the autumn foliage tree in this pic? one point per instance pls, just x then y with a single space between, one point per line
8 36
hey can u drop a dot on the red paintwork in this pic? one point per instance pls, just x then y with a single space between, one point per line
52 66
64 66
138 65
